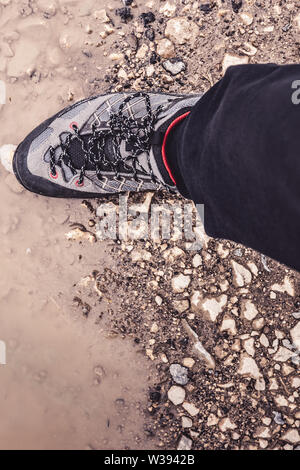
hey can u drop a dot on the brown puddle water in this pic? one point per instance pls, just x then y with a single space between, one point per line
50 395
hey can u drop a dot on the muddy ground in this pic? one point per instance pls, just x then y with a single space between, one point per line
141 343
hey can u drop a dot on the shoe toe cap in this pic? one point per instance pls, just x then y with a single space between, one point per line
31 181
39 184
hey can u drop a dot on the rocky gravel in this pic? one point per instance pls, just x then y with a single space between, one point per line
222 333
221 326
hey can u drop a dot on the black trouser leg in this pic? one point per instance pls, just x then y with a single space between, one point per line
239 155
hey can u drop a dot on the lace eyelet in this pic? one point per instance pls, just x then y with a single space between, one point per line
54 177
79 185
74 126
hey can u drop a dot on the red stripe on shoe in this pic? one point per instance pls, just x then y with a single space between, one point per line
163 150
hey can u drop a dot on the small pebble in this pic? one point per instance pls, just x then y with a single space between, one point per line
179 374
6 156
174 66
176 395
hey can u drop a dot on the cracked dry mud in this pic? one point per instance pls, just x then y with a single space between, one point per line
137 343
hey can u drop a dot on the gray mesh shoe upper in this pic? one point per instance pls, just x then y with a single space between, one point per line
105 144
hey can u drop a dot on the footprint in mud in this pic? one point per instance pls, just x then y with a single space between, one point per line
40 376
99 375
120 404
9 223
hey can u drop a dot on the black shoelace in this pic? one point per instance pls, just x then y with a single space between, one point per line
136 134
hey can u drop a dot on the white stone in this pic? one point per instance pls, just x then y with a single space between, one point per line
190 408
150 354
6 156
285 287
262 432
295 382
228 324
246 18
180 30
267 421
249 49
204 355
186 422
268 29
176 395
281 400
212 420
249 310
198 347
222 252
264 341
263 443
185 443
101 16
188 362
226 424
273 384
196 299
249 346
140 255
230 60
168 9
142 52
259 323
173 253
241 275
150 70
292 436
122 74
197 261
116 56
214 306
248 367
224 285
165 48
164 358
253 268
260 384
180 283
181 305
279 334
283 354
295 334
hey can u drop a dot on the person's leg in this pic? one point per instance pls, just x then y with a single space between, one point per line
238 153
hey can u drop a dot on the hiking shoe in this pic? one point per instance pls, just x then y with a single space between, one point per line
103 145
